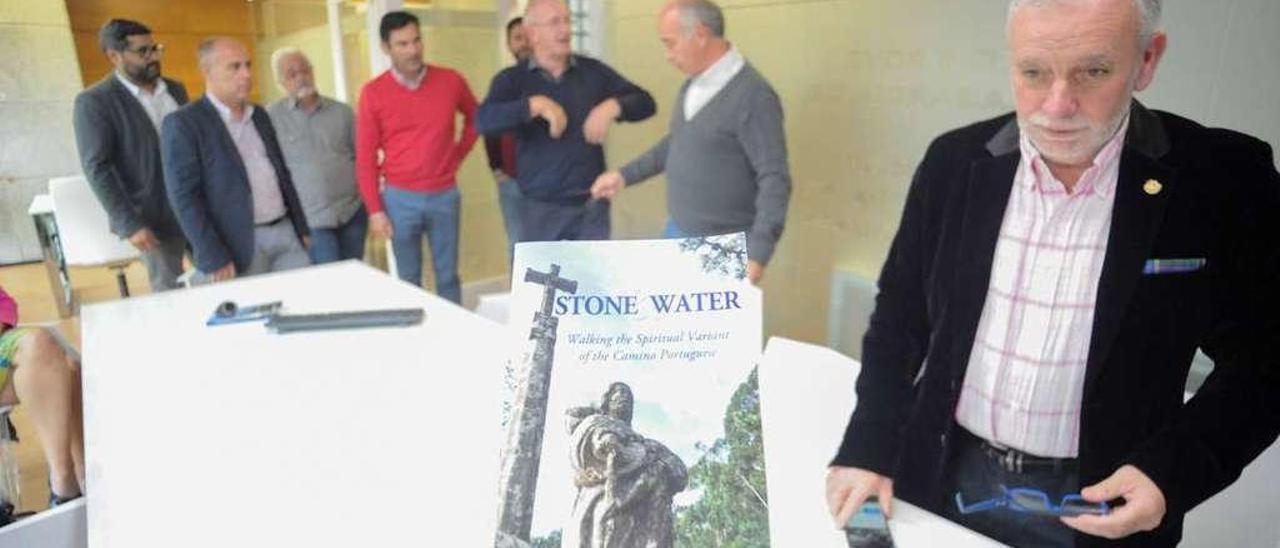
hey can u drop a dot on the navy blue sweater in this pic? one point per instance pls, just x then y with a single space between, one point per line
558 170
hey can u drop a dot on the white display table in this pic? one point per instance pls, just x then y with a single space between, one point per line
233 436
806 395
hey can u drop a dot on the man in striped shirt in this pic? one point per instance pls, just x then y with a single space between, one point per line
1054 273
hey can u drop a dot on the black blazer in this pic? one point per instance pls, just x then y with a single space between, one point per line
209 187
120 154
1220 201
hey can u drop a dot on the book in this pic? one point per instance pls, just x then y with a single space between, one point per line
632 415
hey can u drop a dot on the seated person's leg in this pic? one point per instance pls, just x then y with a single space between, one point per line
46 381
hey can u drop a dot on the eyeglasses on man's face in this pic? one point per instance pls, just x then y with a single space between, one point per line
147 50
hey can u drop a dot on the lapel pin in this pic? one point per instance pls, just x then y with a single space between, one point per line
1152 187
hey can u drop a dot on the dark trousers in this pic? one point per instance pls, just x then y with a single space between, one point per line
342 242
977 476
542 221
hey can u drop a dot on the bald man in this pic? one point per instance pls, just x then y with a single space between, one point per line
560 106
226 177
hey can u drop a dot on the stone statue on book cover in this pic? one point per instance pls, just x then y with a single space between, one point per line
625 481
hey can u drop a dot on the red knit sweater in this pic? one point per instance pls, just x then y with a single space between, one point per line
416 132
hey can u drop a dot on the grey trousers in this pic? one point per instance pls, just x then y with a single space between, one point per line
164 263
276 248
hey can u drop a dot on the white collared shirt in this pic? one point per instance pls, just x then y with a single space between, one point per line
157 104
1025 381
705 86
268 203
413 83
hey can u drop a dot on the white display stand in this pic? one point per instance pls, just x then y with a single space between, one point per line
233 436
61 527
494 306
806 396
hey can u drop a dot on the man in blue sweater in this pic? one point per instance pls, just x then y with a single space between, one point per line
560 106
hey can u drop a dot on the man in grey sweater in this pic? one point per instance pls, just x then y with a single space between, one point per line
725 153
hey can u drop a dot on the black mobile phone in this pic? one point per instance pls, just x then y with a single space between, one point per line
867 528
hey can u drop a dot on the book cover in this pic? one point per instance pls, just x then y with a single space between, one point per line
632 415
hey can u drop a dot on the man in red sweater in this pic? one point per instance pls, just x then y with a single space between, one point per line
409 113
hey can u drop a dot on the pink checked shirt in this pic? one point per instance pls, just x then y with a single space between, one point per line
1025 379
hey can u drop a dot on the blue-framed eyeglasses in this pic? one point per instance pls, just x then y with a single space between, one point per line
1034 501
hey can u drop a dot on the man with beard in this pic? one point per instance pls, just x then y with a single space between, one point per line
1054 272
410 114
117 126
317 135
501 149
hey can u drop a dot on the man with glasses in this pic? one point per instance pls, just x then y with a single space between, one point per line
1054 273
117 126
560 106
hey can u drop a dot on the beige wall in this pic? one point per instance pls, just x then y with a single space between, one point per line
867 84
178 24
39 78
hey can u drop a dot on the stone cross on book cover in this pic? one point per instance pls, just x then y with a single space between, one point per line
632 415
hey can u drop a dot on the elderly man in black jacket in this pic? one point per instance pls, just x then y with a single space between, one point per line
1054 272
117 125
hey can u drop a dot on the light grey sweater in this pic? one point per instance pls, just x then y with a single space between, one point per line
727 166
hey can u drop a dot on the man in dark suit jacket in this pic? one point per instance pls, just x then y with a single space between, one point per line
997 356
226 177
117 125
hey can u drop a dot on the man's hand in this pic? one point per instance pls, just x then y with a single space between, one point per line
1143 509
541 106
755 271
306 242
225 273
607 185
597 125
500 176
848 488
380 225
144 239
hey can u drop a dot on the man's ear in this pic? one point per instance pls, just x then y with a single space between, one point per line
1151 60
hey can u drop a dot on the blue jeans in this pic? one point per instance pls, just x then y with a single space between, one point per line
542 221
340 243
509 199
435 214
978 476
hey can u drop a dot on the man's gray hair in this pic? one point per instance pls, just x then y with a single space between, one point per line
1148 13
700 12
279 55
